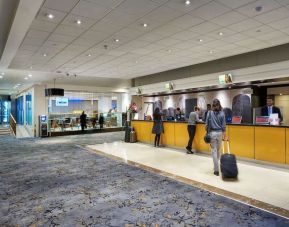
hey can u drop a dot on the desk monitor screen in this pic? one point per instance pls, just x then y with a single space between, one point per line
263 120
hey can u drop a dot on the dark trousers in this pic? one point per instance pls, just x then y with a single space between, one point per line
192 132
83 127
157 139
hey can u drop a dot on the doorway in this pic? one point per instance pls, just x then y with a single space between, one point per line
5 110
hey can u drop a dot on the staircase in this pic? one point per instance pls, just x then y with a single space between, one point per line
4 131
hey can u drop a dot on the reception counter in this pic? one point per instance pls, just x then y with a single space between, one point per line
265 143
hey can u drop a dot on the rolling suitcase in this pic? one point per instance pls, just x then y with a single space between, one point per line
133 136
228 164
127 134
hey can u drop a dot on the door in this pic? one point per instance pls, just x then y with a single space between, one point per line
5 109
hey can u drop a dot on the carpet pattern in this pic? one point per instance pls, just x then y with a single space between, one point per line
53 182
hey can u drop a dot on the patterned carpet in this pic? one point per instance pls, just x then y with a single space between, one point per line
52 182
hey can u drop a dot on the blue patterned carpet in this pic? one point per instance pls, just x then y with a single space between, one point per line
52 182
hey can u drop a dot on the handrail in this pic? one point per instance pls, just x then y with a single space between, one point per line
12 124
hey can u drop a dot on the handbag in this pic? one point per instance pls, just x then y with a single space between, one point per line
207 137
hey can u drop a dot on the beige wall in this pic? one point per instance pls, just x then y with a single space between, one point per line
282 102
225 96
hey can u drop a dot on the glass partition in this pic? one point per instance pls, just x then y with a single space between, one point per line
28 107
71 121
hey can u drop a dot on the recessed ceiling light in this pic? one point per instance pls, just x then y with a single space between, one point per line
1 77
30 75
50 16
18 84
89 55
281 94
145 25
169 51
31 67
188 2
44 55
116 40
25 78
211 51
78 22
136 62
200 40
221 33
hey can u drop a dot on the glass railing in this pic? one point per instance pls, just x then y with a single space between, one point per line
71 122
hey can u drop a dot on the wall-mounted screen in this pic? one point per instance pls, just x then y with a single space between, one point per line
61 102
225 79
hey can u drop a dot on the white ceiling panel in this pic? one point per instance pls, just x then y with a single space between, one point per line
61 38
229 18
235 3
36 34
274 15
90 9
245 25
186 21
280 24
267 5
111 4
210 10
164 14
205 28
43 25
181 6
62 5
283 2
186 35
168 30
69 30
137 7
58 15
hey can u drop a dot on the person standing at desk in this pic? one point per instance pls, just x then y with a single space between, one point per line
193 119
271 109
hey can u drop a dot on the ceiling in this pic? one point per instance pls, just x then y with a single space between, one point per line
170 40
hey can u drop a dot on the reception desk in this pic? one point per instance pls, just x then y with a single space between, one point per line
265 143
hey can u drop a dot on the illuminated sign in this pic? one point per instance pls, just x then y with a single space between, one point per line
61 102
225 79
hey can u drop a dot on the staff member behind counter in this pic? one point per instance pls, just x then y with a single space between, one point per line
271 109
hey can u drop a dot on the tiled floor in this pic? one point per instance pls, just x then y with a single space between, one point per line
264 183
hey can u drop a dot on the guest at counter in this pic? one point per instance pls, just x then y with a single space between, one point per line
158 128
271 109
101 121
193 119
209 107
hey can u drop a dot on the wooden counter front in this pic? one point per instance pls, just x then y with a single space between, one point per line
248 141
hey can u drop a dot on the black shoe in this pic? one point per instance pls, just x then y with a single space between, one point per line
216 173
190 152
189 149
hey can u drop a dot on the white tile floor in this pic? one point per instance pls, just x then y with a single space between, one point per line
267 184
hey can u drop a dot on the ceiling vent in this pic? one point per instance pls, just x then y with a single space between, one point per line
138 91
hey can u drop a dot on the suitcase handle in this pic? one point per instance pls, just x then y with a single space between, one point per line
228 146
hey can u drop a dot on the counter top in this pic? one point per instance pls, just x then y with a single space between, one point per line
244 124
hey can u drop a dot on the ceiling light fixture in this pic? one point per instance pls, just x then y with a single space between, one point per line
89 55
169 51
188 2
281 94
49 15
221 33
31 67
116 40
211 52
258 8
25 78
200 40
78 22
30 75
1 77
44 55
145 25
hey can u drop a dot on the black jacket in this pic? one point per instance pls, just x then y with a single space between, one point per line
275 110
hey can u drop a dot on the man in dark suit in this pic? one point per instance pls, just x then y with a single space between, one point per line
270 109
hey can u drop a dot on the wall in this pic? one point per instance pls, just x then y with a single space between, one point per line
282 101
174 101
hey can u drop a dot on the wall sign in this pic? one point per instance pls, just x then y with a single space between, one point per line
225 78
61 102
